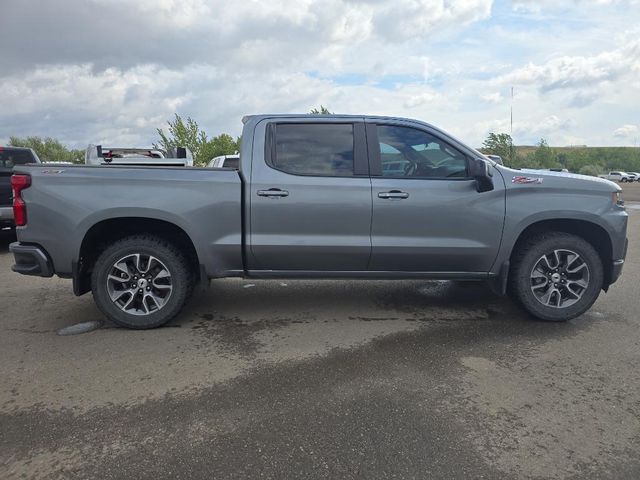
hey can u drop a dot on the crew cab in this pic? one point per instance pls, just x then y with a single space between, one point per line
9 158
321 197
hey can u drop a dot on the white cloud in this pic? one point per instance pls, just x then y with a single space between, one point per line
447 62
627 131
420 99
173 33
539 5
72 77
577 71
493 97
529 131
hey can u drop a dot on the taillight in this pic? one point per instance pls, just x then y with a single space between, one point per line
18 183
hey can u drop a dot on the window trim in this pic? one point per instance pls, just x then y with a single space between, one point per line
360 160
373 147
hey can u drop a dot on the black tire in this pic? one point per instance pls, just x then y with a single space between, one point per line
181 281
527 257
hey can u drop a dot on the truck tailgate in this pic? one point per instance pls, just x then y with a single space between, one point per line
5 187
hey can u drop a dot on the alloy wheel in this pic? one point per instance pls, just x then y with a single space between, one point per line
559 278
139 284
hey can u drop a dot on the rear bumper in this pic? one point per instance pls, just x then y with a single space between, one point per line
6 216
31 260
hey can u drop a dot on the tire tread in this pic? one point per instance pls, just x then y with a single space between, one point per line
519 290
181 272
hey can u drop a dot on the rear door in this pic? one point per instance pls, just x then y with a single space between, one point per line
310 199
427 214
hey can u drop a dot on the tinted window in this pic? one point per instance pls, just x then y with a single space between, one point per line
314 149
232 163
409 152
9 158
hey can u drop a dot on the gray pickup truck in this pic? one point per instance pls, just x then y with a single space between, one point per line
321 197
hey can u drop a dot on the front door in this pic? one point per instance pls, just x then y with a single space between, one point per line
427 214
310 197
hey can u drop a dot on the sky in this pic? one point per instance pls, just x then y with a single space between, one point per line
112 71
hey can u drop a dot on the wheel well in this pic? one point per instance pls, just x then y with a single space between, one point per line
104 233
591 232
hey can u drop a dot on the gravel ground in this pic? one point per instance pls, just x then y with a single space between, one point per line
631 191
321 379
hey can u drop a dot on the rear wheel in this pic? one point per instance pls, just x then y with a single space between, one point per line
556 276
141 282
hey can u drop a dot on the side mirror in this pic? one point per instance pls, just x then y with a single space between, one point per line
480 170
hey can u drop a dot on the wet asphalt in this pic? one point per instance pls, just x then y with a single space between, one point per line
321 379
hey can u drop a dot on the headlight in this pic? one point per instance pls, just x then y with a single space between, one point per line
617 199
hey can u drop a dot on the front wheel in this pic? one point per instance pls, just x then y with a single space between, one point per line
141 282
556 276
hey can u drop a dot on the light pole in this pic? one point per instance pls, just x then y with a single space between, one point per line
511 133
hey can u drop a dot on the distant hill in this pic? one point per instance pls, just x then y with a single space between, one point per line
578 159
527 149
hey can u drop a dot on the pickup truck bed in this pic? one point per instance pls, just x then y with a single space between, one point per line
95 196
317 197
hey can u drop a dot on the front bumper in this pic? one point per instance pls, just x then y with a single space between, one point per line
616 268
31 260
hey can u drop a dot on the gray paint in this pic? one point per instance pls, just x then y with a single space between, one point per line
205 203
323 224
443 225
325 227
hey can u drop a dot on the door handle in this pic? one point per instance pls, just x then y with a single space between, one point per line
273 192
393 194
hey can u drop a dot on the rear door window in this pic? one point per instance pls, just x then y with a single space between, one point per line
319 149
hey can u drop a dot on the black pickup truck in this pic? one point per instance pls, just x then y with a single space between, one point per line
9 157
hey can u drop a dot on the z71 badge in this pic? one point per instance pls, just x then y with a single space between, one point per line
523 180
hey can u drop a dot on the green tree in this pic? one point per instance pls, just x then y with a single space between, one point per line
223 144
545 156
321 111
577 158
498 144
49 149
184 134
187 133
593 170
